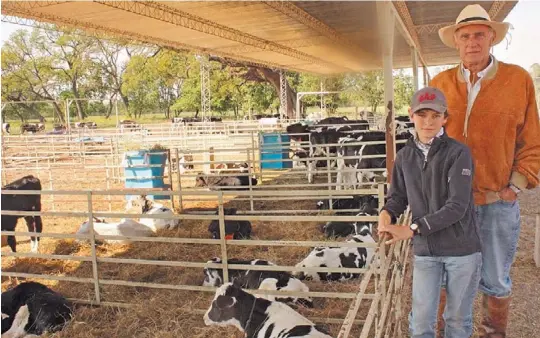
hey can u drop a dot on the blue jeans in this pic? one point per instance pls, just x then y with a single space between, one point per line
499 225
462 276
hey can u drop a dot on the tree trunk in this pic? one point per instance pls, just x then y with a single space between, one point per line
109 110
273 78
58 112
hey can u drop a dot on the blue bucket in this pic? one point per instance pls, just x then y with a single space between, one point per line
140 169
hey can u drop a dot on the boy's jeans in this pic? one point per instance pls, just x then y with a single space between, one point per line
463 276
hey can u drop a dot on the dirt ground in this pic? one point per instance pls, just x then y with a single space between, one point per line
175 313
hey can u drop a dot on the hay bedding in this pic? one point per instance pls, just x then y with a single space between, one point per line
157 312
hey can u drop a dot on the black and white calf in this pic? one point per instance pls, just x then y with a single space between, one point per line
147 206
258 317
22 203
33 308
344 229
233 229
357 159
214 277
357 202
338 257
259 279
319 139
216 182
6 128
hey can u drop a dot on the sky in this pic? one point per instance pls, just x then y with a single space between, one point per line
522 47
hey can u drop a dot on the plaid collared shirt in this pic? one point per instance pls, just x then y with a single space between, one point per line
424 147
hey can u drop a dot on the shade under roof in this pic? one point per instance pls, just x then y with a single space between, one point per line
323 37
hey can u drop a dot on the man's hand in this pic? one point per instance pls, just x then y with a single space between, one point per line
507 195
385 219
398 233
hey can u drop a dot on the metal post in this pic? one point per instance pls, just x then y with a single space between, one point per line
414 68
386 21
92 237
205 86
179 179
68 119
51 183
107 181
170 176
329 175
282 94
298 98
116 112
249 176
224 257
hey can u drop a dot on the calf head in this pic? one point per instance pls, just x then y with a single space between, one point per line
140 203
212 277
200 181
227 306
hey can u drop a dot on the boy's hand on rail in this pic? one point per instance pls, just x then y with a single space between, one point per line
398 233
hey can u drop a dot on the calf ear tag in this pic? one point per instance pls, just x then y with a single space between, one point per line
229 236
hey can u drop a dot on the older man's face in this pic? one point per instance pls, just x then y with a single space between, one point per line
473 43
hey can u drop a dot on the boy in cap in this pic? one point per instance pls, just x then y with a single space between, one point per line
433 174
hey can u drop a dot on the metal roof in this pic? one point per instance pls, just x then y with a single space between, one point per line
323 37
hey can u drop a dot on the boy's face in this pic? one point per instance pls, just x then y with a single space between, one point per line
427 123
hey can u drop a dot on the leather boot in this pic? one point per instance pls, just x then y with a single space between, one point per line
494 316
440 319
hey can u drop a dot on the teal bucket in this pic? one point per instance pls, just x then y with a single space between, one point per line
141 168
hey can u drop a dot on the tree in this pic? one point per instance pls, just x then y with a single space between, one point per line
365 88
261 74
28 73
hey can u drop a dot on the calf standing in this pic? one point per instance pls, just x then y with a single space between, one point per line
22 203
258 317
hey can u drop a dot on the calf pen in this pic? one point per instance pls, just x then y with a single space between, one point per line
380 285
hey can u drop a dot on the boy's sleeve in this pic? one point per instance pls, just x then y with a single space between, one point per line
460 178
397 194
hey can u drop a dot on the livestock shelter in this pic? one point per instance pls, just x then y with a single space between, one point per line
319 37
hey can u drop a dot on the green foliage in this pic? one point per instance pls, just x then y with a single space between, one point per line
150 81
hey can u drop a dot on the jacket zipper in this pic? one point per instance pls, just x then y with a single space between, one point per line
424 166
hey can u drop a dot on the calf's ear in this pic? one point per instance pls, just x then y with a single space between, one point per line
224 302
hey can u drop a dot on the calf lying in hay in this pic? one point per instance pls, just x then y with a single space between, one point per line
143 205
233 229
259 279
258 317
32 309
217 182
126 227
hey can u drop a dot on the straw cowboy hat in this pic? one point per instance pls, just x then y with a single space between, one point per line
473 15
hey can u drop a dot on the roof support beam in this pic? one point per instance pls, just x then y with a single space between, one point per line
495 8
493 12
289 9
414 57
161 12
19 9
405 22
386 23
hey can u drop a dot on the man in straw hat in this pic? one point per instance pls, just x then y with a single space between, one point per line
492 109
